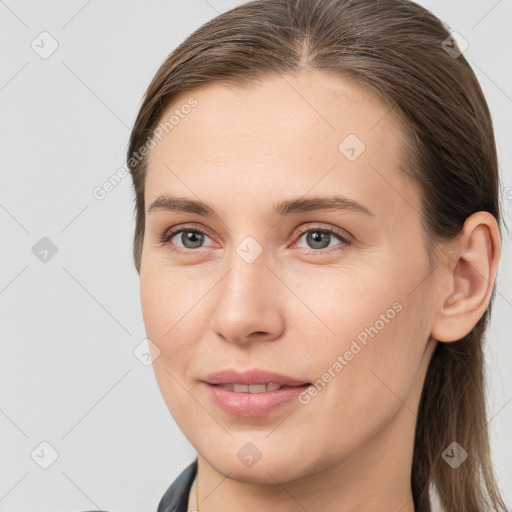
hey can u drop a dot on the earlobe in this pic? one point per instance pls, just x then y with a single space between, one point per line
470 277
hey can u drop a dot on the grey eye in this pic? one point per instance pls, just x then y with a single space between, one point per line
318 239
191 239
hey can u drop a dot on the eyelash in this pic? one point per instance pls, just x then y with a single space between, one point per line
165 238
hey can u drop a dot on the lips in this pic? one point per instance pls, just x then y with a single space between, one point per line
254 379
252 405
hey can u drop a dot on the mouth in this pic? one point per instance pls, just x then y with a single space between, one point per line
252 393
254 401
258 388
253 380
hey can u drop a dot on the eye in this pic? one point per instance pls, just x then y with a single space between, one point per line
319 238
190 238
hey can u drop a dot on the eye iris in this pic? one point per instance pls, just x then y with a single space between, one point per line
194 237
314 237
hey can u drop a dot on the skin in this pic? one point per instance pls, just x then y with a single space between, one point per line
296 307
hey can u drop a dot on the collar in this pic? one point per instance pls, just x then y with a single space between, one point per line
175 498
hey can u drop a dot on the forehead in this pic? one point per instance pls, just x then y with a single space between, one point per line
280 137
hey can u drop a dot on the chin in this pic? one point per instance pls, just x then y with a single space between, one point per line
264 471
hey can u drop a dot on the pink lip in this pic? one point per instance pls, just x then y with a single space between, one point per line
252 405
255 376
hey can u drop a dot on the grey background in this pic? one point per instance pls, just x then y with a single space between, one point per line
69 326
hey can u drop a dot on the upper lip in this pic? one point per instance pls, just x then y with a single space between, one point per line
255 376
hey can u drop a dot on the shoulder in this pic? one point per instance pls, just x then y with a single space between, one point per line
175 498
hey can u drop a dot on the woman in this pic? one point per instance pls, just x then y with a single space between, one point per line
318 237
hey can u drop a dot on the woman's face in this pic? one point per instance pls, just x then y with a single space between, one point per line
348 308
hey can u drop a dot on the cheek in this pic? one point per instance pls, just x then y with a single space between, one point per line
170 297
167 303
368 364
167 309
177 304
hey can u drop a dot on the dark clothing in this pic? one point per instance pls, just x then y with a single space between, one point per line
175 498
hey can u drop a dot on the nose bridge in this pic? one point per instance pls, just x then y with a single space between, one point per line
247 280
247 300
248 261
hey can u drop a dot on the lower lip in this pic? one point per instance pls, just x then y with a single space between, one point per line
253 405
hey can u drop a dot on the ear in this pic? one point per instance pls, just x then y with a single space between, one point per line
468 277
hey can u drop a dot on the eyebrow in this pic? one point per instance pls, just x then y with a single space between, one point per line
299 205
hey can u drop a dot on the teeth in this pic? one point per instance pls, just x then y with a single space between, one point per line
253 388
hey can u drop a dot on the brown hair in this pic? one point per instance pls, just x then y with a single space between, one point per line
398 50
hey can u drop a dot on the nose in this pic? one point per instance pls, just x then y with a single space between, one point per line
250 303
